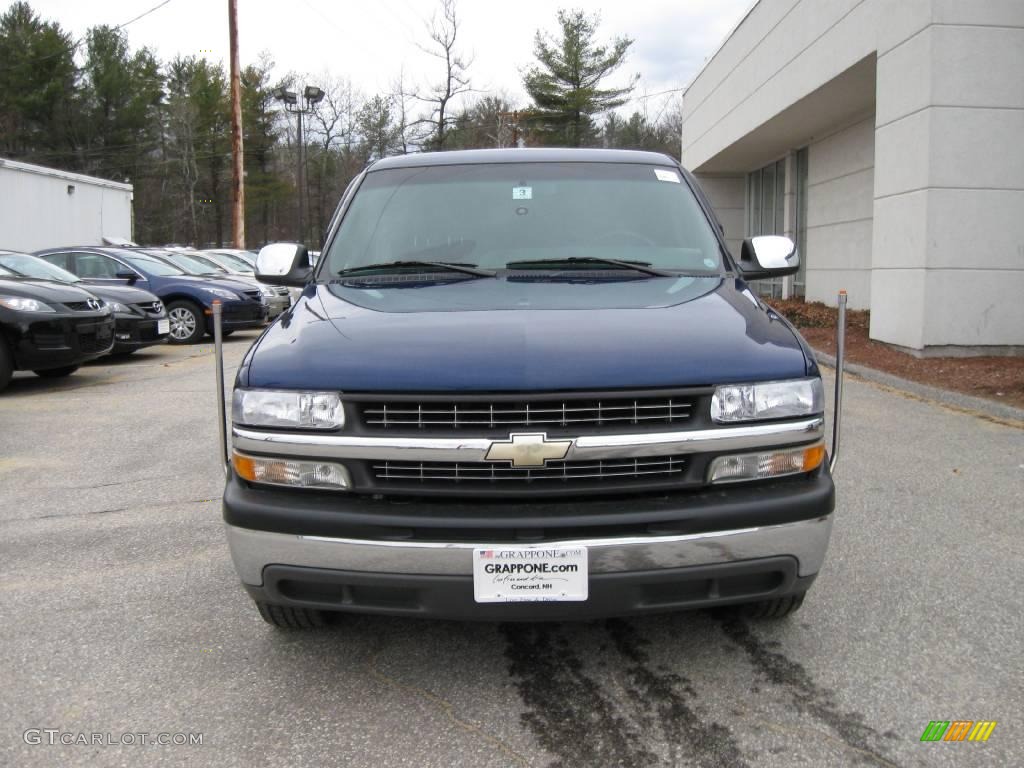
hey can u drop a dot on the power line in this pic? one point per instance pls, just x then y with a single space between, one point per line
659 93
142 15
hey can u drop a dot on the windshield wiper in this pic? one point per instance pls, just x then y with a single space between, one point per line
450 266
636 266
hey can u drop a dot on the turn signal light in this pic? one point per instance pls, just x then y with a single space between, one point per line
287 472
760 466
813 457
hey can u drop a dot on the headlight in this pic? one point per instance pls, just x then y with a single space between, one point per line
266 291
24 305
117 306
767 400
222 293
286 408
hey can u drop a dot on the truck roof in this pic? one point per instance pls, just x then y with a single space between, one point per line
524 155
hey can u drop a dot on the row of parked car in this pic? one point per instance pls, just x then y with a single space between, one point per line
61 307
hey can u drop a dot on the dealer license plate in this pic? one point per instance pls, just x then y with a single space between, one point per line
530 574
163 326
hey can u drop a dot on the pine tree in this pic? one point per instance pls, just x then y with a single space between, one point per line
565 84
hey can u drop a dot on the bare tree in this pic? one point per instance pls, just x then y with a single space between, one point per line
405 126
333 125
443 32
182 127
183 119
332 121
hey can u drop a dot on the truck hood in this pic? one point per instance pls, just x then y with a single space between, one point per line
717 332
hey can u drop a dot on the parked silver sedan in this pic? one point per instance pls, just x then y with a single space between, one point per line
239 262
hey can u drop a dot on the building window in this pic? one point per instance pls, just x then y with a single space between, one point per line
766 212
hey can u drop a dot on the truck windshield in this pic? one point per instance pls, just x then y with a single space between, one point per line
495 215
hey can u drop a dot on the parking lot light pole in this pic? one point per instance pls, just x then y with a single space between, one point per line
311 96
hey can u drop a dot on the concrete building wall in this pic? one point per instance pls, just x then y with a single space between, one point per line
936 249
840 196
948 248
727 195
44 207
782 52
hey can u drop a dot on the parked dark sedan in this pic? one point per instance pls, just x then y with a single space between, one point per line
189 300
195 263
49 328
139 316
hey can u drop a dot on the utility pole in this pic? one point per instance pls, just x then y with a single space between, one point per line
237 164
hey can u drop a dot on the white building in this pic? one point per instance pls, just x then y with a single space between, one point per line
887 138
43 207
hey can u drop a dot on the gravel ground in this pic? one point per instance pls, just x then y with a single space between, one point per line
121 614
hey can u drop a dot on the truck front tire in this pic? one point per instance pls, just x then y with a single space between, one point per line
286 617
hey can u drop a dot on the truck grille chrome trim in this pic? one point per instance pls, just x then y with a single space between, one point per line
474 449
502 413
493 474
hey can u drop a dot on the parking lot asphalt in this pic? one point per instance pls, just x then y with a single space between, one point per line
120 613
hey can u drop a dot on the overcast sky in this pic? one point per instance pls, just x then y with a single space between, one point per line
370 41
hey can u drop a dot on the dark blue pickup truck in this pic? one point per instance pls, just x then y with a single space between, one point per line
527 384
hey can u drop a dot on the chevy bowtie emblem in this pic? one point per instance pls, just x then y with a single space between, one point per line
528 450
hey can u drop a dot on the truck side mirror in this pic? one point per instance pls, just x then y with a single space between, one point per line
283 264
768 256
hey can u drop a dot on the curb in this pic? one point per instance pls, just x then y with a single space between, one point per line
944 396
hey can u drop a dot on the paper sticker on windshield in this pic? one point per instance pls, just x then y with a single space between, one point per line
664 175
522 193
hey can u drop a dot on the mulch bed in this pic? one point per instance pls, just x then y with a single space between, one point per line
995 378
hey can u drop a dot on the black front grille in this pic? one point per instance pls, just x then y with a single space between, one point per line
254 294
239 311
148 332
95 341
482 473
50 340
439 415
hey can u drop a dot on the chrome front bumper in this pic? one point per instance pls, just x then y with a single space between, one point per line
805 540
